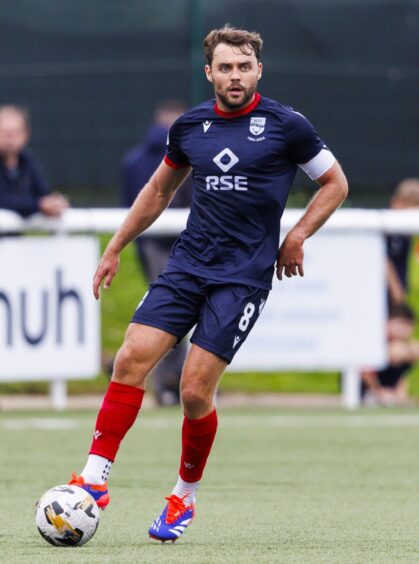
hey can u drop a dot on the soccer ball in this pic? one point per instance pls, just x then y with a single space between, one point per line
67 516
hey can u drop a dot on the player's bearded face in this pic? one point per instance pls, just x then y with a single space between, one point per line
234 75
235 96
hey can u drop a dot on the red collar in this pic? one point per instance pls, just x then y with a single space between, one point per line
241 112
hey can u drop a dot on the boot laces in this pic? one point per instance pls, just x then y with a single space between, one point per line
175 507
75 480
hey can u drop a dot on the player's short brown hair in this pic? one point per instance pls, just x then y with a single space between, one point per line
247 41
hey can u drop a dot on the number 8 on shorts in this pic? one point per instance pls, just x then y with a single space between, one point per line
248 312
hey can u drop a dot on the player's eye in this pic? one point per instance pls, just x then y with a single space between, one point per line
224 68
245 67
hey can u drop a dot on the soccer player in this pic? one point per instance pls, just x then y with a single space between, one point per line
244 150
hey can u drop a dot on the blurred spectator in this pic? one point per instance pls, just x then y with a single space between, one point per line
138 165
389 385
405 196
23 188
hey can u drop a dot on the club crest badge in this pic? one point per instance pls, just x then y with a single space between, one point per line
257 125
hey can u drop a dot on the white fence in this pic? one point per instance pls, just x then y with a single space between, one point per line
340 302
103 220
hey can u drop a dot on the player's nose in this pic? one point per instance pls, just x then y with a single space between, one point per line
235 74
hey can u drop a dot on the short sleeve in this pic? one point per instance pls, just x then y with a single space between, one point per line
303 140
175 157
305 148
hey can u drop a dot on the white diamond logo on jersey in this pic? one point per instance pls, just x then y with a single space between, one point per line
226 159
257 125
206 125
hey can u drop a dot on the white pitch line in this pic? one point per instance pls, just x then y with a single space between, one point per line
228 421
322 421
49 424
296 421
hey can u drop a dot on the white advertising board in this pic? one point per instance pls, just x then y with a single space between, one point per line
332 318
49 319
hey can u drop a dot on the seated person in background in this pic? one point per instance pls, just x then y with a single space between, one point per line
23 188
138 165
388 386
405 196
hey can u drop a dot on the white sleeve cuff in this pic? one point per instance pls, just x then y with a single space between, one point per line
319 164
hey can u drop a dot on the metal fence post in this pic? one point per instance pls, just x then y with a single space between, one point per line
58 394
351 393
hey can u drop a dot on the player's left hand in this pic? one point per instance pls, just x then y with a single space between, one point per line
290 257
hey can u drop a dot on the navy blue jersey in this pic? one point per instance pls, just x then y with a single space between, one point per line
243 165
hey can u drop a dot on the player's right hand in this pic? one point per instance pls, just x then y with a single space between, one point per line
106 270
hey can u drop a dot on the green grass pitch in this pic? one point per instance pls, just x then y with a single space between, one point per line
281 486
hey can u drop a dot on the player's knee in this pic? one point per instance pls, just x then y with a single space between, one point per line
194 400
128 366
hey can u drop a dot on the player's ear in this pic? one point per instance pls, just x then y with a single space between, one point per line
208 73
260 67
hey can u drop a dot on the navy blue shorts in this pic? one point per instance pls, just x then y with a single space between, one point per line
224 314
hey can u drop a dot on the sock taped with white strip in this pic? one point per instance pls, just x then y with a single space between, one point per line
96 470
187 489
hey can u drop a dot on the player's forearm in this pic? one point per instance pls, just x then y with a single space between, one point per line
327 199
147 207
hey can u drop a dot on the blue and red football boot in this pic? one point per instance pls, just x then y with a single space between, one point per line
99 493
173 520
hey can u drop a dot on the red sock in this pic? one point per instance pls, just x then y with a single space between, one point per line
119 410
197 438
